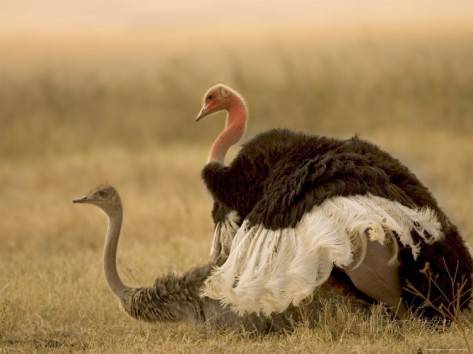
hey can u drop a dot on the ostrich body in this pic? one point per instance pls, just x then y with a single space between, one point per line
337 201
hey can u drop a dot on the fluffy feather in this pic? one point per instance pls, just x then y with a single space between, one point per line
268 270
225 230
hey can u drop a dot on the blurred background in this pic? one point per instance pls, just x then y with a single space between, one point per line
82 75
107 91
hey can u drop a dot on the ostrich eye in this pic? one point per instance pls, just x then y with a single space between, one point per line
209 97
102 194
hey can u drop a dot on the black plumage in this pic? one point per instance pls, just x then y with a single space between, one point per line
280 175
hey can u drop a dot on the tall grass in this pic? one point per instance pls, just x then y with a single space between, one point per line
137 96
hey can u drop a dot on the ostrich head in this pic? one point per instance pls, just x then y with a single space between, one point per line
105 197
218 98
223 98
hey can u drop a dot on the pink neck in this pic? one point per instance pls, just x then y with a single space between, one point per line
233 132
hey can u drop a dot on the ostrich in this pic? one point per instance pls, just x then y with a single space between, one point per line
175 298
291 209
171 298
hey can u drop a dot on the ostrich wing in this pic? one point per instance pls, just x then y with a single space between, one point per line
296 186
320 215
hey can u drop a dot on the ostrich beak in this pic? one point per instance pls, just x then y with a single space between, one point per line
203 112
81 200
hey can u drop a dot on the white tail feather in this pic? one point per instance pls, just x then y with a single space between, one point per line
268 270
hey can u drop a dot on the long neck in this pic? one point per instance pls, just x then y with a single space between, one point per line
110 253
234 130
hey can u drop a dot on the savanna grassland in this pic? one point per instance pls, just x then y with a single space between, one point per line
80 110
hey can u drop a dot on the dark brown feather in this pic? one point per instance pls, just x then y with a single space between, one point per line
280 175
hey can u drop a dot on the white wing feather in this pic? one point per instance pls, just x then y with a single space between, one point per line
268 270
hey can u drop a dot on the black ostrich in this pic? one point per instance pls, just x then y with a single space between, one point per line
292 209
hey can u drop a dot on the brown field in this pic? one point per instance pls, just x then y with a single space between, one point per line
81 110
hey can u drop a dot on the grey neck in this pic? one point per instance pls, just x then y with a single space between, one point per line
110 252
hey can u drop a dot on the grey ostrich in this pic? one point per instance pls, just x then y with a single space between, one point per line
173 298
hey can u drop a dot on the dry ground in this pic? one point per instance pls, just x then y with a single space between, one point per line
74 115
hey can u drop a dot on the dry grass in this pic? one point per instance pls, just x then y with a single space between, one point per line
125 118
